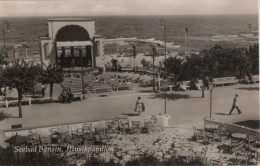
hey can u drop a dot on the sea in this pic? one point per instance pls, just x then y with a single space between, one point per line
122 32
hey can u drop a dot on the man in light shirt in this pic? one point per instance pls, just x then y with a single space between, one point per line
235 105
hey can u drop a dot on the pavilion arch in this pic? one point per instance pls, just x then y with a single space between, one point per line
72 33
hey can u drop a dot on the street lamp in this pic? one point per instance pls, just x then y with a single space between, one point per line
211 90
163 24
134 55
154 53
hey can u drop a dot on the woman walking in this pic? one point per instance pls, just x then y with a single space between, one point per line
139 106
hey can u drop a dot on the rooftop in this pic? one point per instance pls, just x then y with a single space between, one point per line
70 19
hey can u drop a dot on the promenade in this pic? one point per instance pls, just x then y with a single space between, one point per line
186 108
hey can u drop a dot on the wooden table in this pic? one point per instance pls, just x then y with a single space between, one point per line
238 139
239 136
211 127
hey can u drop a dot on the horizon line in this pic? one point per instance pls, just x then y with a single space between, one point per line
127 15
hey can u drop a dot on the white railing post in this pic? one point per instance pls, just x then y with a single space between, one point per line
30 101
6 103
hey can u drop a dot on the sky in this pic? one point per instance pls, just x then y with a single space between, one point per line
125 7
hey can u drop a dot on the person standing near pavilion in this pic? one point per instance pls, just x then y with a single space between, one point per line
235 105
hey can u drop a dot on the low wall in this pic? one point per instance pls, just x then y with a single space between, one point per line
45 130
233 128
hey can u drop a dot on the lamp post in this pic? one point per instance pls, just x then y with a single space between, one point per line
134 55
154 52
185 36
117 58
211 90
163 24
249 26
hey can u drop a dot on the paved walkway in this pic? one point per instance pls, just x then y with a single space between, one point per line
186 108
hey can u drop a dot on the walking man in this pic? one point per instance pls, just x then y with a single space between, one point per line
235 105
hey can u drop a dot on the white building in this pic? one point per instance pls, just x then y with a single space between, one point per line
72 43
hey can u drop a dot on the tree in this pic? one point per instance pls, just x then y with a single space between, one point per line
21 76
197 66
52 74
253 58
145 63
115 65
174 66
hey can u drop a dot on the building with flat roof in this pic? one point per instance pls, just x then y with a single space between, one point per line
72 43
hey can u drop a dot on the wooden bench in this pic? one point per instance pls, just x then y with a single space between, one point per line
100 87
75 86
246 80
218 81
256 78
127 69
123 87
186 85
146 82
37 91
225 81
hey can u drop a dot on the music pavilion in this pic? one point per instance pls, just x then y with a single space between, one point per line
72 44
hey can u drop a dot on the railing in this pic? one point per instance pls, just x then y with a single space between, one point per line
232 128
28 101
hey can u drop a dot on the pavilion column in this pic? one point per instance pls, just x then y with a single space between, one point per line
93 57
72 58
89 56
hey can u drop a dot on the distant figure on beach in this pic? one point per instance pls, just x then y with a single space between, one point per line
235 105
139 106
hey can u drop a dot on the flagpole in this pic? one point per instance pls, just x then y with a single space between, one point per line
248 26
164 21
4 34
26 51
185 43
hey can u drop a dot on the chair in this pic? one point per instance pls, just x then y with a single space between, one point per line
74 132
242 157
64 132
34 141
102 136
45 140
123 126
112 127
252 140
198 134
215 162
200 156
87 126
136 127
149 126
76 142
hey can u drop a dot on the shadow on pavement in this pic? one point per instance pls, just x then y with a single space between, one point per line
145 91
249 88
102 95
253 124
131 114
170 96
219 113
